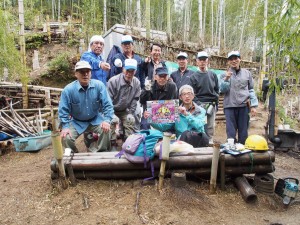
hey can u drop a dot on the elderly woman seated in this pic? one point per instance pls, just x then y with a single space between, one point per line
192 119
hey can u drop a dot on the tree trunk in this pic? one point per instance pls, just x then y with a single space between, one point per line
212 23
200 34
24 77
53 9
148 23
138 9
104 16
264 59
169 27
245 13
220 25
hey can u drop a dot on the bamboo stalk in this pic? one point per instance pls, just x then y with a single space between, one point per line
214 169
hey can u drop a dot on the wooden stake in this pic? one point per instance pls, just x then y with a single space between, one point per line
214 169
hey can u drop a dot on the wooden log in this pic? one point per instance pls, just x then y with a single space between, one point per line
178 162
145 173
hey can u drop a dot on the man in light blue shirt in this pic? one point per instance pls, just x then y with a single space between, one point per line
85 106
94 57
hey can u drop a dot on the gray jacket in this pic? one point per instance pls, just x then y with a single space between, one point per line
124 95
238 89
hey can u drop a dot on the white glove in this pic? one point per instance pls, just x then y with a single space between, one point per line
118 63
147 85
130 119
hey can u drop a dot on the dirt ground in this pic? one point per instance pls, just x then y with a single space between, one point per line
28 196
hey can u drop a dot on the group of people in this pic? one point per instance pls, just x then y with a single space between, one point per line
96 105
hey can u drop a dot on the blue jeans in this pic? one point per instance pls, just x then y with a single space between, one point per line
237 121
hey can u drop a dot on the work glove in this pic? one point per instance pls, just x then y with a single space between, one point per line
118 63
130 119
147 85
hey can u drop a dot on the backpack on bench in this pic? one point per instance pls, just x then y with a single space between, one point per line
139 147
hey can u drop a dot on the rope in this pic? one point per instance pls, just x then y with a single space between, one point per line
251 161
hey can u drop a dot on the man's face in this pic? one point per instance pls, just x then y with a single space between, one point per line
182 62
187 96
127 47
234 62
83 76
97 47
156 52
202 62
129 74
162 79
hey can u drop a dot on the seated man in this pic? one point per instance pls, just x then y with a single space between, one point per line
161 89
79 110
192 120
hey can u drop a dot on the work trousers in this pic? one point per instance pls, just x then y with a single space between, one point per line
101 144
237 122
128 128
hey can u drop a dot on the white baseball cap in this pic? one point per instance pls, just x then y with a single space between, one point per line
130 64
202 54
126 38
234 53
82 65
182 54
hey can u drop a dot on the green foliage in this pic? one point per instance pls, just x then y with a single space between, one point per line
34 40
10 56
284 40
60 66
283 118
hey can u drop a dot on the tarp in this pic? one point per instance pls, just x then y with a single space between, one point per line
172 66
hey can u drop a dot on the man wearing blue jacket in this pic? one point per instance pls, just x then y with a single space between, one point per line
79 110
94 56
239 97
128 53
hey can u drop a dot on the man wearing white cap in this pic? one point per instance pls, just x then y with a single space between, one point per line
206 88
79 110
237 86
94 57
125 90
128 53
182 75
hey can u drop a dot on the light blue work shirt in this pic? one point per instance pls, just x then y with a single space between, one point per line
94 60
82 107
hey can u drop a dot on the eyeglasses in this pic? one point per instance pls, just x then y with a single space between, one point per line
187 94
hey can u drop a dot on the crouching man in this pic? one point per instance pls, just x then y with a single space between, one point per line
79 110
125 90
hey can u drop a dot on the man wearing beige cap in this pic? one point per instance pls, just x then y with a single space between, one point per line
206 87
239 98
182 75
94 57
125 90
79 110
